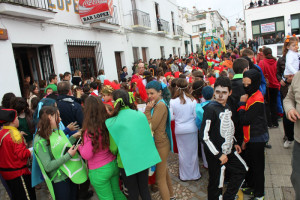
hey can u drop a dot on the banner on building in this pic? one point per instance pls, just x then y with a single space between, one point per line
269 27
95 10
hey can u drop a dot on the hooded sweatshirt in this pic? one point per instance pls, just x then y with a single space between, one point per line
269 68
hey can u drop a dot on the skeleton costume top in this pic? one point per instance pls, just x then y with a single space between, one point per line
217 129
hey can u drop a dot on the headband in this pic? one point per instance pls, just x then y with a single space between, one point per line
119 100
179 88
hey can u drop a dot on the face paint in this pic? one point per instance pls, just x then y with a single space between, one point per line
221 95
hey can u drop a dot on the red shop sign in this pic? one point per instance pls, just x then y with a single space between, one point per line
95 10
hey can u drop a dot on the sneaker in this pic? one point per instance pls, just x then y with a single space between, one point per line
257 198
236 197
268 146
287 144
248 191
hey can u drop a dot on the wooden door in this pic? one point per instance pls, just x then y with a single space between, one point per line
144 52
118 63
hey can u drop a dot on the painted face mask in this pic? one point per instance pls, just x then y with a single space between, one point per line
221 94
255 77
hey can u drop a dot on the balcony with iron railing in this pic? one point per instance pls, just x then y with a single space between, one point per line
36 9
140 20
114 19
109 24
178 32
162 27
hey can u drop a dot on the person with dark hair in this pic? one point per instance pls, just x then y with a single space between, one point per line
70 110
269 69
34 92
196 76
183 109
94 89
133 140
172 87
53 82
67 76
124 74
14 157
102 164
5 103
34 103
57 154
252 117
202 64
25 117
158 115
147 77
227 62
240 65
217 133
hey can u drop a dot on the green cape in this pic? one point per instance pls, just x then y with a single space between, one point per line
131 132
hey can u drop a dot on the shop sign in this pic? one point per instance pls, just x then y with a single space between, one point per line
91 11
269 27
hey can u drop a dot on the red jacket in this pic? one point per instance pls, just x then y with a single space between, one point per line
269 69
13 156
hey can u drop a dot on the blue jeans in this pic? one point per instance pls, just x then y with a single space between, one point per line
65 190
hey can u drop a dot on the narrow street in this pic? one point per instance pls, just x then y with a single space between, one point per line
277 176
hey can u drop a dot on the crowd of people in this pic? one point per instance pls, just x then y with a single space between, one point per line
117 136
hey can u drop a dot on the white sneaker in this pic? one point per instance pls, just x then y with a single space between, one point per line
287 144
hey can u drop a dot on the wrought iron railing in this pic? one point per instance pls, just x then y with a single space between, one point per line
115 18
163 25
179 30
38 4
141 18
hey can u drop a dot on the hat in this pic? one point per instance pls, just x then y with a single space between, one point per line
7 115
207 92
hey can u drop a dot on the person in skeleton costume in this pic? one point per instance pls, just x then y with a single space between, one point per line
252 117
217 133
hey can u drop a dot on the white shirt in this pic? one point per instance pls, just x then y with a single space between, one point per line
292 63
184 115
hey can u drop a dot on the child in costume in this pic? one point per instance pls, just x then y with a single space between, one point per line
102 164
252 117
292 63
132 141
217 133
107 90
14 157
61 165
158 115
207 93
183 109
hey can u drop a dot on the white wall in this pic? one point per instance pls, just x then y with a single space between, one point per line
265 12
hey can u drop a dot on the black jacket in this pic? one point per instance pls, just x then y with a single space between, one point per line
203 65
70 110
233 100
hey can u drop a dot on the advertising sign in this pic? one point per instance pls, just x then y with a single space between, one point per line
269 27
91 11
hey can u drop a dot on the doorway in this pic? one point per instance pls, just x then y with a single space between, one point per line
144 52
27 64
118 63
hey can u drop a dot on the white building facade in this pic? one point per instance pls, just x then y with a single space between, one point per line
280 18
40 37
206 23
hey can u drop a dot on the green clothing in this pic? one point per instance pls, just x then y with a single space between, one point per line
51 164
114 149
53 86
236 76
23 126
134 140
105 181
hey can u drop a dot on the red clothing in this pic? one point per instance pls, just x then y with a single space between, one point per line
109 103
269 69
259 57
13 156
212 80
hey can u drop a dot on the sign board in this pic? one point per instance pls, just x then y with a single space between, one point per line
91 11
269 27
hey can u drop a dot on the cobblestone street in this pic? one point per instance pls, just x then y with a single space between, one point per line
277 176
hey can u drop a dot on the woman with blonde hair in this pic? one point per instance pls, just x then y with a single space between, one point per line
77 80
